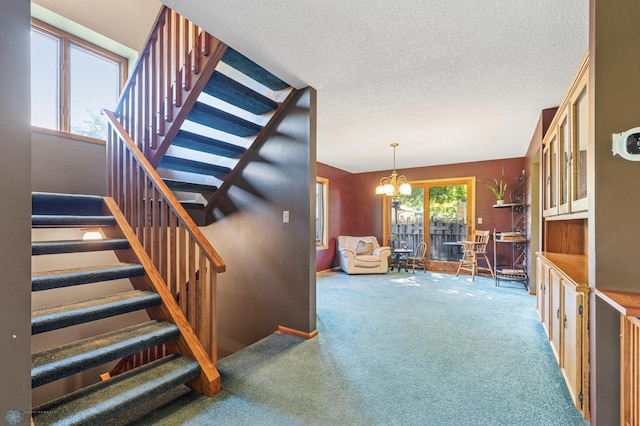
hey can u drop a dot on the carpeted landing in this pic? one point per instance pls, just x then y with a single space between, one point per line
394 349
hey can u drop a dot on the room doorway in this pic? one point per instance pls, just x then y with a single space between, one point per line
442 210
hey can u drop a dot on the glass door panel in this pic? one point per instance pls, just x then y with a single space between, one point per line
448 221
565 166
407 220
442 210
580 109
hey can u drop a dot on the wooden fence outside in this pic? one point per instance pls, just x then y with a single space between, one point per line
440 232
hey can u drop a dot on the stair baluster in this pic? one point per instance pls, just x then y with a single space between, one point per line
168 235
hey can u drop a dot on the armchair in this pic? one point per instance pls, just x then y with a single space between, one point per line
363 255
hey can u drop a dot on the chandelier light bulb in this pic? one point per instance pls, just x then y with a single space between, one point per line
393 185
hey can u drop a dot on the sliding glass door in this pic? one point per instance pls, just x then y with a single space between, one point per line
441 210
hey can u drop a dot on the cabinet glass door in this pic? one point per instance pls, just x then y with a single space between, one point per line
580 140
551 176
564 176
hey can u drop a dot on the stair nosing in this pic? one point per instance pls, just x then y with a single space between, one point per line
75 246
47 280
65 315
75 221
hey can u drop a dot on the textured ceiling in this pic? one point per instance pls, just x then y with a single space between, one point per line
450 81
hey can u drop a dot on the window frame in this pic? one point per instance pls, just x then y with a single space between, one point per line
66 40
323 242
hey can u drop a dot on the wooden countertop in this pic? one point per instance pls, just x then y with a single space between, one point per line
574 266
627 303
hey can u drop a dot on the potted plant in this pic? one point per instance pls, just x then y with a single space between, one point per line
499 187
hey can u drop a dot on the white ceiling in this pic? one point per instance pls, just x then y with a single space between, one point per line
451 81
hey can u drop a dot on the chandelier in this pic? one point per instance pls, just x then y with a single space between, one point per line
393 185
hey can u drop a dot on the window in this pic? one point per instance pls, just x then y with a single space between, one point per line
71 81
322 213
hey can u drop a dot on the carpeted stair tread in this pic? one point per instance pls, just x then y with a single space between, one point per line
229 90
184 165
84 275
176 185
201 143
217 119
97 403
68 314
74 246
63 204
249 68
62 361
71 221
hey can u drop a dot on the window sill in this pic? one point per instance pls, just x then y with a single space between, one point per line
66 135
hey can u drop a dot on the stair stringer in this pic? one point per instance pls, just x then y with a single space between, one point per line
208 383
283 108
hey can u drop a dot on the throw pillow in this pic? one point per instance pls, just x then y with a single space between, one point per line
364 248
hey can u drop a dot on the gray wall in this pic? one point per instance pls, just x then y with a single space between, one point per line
270 277
15 205
614 203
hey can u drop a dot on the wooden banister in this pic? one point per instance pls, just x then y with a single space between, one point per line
189 343
182 255
178 60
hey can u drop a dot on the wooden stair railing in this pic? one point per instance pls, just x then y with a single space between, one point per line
188 344
178 60
176 246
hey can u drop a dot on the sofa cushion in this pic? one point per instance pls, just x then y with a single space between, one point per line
364 248
367 261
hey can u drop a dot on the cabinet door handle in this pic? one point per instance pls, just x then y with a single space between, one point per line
558 313
565 321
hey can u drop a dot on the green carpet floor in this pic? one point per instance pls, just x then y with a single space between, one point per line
394 349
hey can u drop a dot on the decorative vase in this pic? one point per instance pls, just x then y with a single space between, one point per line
499 202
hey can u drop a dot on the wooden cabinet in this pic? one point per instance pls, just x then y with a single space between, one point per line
555 313
563 309
574 351
565 151
628 304
542 293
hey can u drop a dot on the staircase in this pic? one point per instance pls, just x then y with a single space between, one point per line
186 360
206 117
